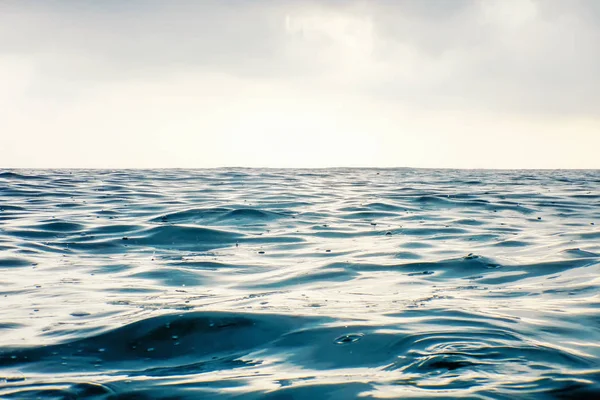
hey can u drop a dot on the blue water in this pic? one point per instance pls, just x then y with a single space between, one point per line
299 284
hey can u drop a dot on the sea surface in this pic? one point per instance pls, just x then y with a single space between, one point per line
299 284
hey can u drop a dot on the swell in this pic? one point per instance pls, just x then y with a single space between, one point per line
166 340
220 215
333 283
418 347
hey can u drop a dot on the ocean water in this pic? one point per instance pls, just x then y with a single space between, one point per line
299 284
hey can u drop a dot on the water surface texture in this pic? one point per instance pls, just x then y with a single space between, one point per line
299 284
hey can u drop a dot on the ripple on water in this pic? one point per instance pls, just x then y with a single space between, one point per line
334 283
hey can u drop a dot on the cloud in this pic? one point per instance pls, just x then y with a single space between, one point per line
505 56
285 67
516 55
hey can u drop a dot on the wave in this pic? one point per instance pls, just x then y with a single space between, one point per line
220 215
333 283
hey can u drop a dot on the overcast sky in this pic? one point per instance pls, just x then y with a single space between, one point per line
427 83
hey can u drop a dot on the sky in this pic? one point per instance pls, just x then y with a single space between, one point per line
286 83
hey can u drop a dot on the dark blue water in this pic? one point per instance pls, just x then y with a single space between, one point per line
299 284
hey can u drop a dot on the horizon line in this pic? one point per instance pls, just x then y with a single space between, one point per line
310 168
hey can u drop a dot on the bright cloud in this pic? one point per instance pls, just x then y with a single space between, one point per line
465 83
